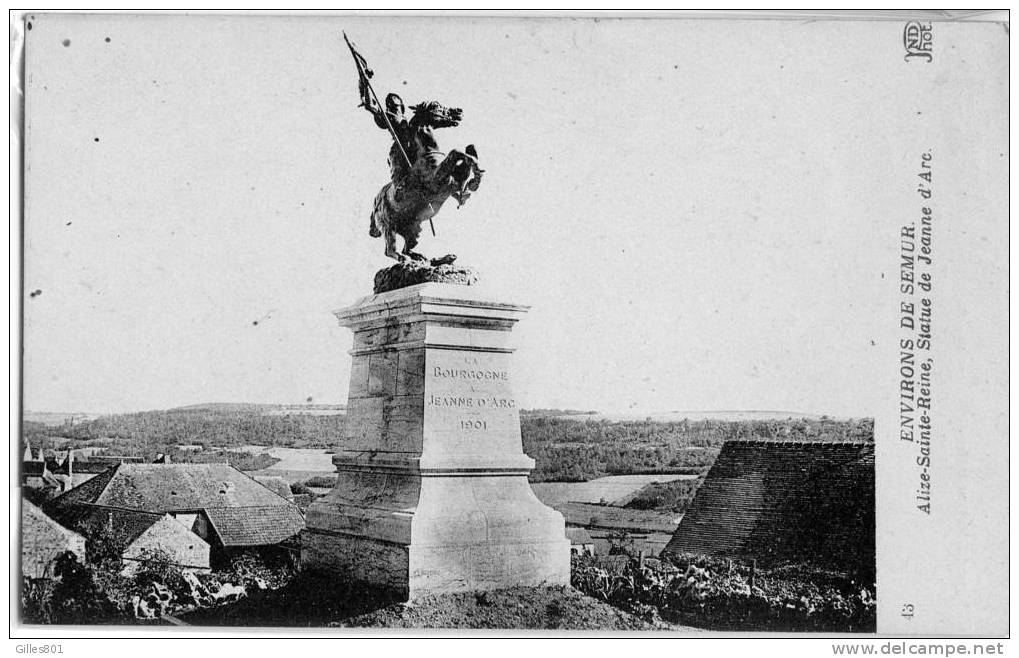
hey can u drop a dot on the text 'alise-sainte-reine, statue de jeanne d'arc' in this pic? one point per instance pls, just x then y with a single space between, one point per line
431 493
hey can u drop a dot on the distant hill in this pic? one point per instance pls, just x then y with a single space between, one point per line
220 425
673 416
273 409
556 412
55 418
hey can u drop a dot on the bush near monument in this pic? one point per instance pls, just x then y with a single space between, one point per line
725 595
96 591
645 594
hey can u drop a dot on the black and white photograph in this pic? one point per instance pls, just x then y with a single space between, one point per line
548 323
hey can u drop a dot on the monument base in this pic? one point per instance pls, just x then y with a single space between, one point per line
456 542
432 493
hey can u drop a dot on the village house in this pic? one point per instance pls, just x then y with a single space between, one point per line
226 508
43 540
140 536
785 502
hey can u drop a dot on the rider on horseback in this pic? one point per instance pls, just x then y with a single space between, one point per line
422 176
399 167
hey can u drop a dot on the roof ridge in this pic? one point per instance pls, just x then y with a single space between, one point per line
252 478
131 510
109 478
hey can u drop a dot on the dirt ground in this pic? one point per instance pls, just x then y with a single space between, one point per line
517 608
304 603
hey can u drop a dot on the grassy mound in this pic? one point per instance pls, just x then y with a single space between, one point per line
517 608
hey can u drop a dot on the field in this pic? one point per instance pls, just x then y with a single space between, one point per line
609 490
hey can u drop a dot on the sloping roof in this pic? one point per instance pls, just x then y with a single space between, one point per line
785 502
255 526
276 484
126 525
242 511
172 487
85 493
43 539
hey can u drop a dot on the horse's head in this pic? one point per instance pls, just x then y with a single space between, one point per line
436 115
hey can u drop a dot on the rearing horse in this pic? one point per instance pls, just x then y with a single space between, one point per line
417 193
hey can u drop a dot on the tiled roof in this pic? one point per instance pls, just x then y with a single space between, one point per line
126 525
43 539
172 487
780 502
255 526
241 511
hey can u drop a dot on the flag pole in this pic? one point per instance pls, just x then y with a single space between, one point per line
385 115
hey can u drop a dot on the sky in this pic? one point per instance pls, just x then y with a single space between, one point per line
702 214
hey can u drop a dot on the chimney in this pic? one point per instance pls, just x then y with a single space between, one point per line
70 467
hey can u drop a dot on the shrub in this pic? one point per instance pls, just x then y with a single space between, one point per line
720 594
321 481
674 496
36 600
157 566
88 594
299 488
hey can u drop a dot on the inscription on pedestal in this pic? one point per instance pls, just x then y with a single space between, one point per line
469 399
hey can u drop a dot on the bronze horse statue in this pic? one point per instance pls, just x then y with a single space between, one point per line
423 177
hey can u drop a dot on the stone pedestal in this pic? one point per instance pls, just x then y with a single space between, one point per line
432 493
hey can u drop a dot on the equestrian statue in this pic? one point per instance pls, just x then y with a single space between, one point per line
422 176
